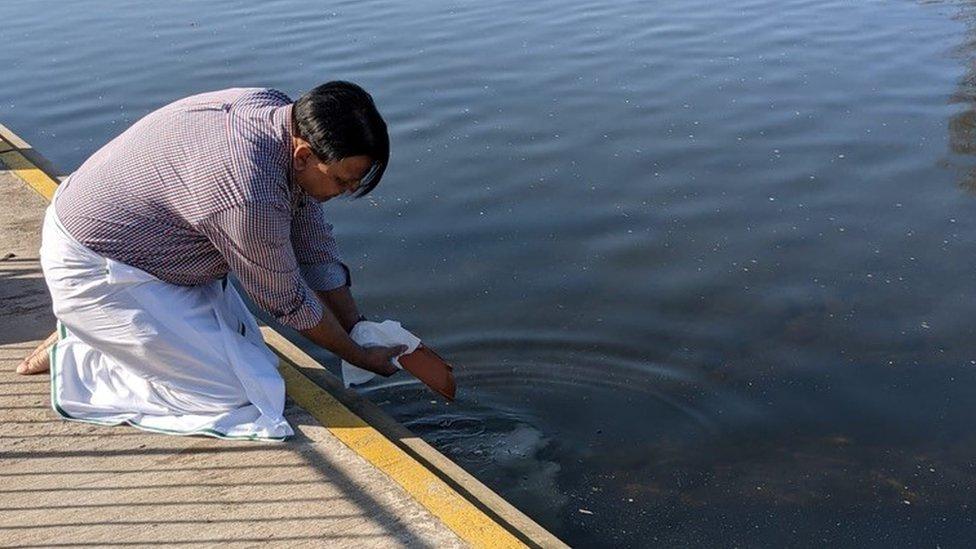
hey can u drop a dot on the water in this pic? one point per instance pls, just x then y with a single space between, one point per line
705 268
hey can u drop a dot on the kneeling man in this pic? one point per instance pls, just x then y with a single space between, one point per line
139 241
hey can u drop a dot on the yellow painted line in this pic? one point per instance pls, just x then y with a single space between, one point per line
31 174
459 514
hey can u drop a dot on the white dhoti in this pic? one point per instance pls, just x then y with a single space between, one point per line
133 349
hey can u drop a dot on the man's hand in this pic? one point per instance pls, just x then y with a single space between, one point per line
332 332
379 360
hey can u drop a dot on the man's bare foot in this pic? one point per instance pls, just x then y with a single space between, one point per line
38 361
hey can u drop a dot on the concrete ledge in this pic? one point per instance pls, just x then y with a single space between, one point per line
471 510
13 141
12 138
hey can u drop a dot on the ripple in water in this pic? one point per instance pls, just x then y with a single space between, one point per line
488 431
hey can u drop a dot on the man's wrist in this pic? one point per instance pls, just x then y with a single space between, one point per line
359 356
352 323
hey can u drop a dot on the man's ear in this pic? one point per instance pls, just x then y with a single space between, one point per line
301 157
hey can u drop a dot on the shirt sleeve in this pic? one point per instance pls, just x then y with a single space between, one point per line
255 240
316 249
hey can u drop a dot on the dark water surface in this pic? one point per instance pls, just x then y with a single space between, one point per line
706 268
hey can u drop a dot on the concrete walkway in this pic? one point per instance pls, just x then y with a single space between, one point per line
65 484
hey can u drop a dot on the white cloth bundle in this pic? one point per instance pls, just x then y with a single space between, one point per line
388 333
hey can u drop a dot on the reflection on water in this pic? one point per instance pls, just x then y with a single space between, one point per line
962 126
705 269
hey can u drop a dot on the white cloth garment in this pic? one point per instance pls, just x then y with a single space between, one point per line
377 334
174 359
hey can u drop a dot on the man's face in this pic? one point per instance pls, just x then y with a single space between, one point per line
327 180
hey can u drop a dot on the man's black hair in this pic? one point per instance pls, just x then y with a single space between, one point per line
339 120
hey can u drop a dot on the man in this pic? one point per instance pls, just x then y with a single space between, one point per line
138 243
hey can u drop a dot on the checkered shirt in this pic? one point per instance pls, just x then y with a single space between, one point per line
201 188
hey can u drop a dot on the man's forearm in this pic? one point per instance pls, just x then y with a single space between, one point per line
342 305
332 335
329 333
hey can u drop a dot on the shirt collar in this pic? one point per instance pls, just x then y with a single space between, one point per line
283 121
